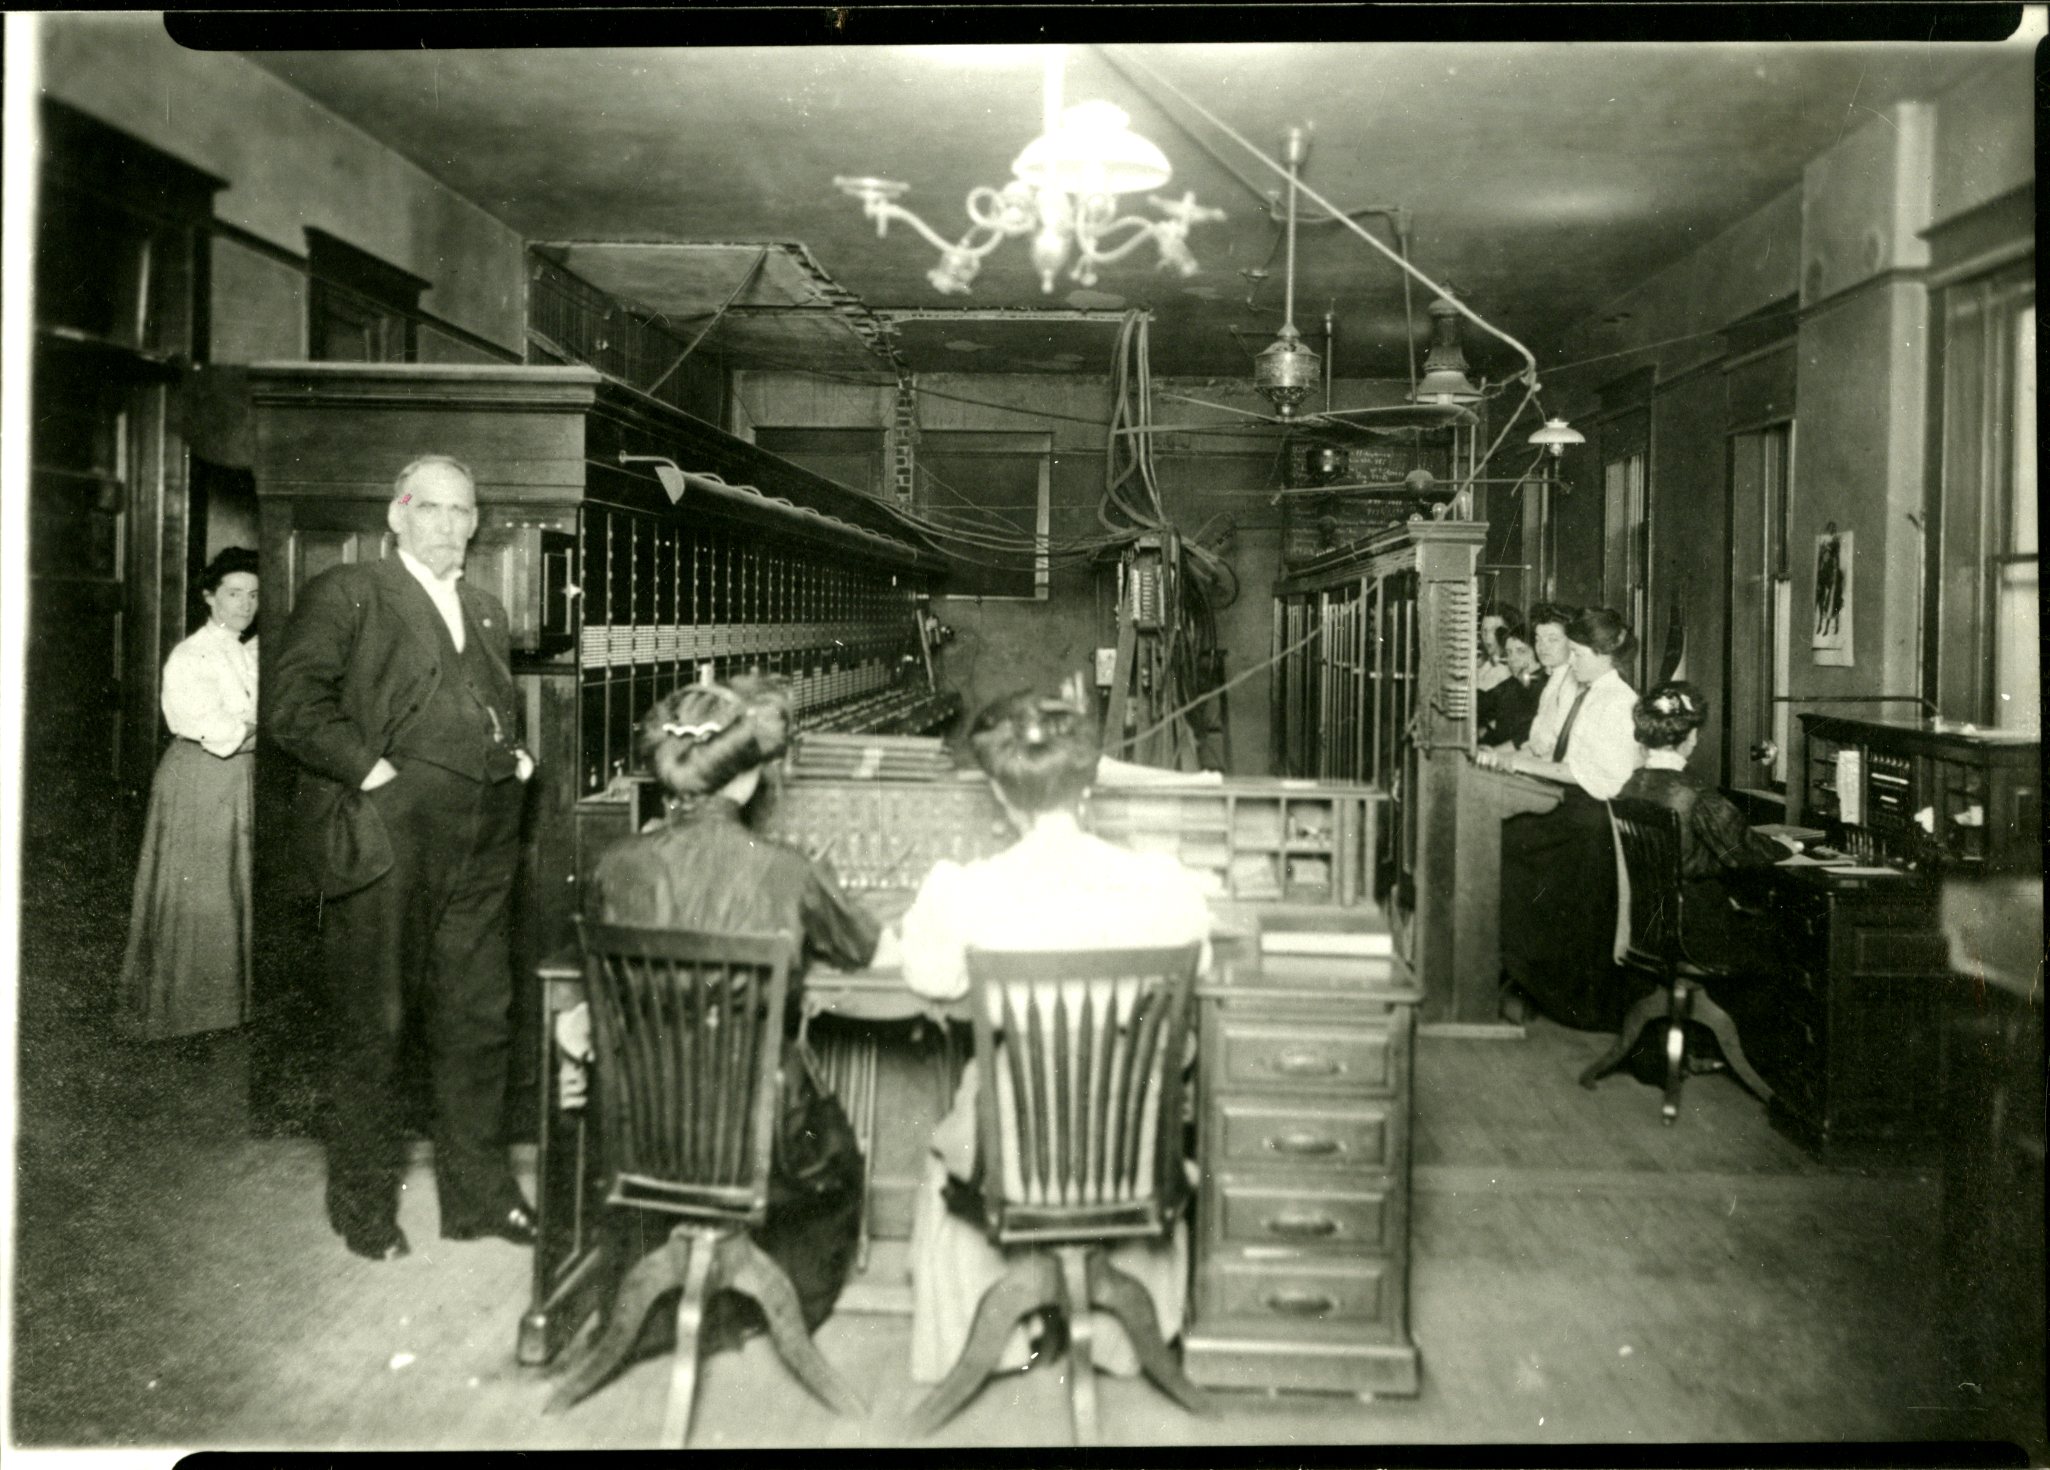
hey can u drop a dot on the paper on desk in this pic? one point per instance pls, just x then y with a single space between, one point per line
1803 860
1850 786
1113 772
1788 829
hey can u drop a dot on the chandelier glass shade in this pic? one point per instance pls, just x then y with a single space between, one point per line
1555 435
1064 193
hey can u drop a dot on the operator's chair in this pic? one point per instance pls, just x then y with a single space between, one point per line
1648 837
687 1030
1079 1147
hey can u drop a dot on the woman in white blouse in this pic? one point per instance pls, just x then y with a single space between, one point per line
1057 887
1596 748
1559 868
187 966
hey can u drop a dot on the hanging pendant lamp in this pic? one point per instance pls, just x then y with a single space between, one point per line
1286 369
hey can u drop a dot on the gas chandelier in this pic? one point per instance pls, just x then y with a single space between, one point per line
1064 194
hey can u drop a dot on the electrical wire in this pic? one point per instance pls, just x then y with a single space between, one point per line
1172 715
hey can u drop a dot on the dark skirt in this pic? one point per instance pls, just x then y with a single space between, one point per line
1716 933
1559 914
814 1219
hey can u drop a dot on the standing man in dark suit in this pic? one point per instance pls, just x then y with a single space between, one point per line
394 692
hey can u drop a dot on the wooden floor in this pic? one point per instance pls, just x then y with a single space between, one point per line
1581 1274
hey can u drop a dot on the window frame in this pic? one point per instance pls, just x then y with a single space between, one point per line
991 444
1974 445
354 285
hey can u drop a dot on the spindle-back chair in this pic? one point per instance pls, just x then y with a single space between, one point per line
687 1032
1079 1129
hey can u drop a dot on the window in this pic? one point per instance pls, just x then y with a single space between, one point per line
993 492
359 309
1984 633
2017 610
1624 547
1623 446
850 457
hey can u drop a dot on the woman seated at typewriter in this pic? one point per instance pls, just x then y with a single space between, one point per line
704 868
1057 887
1715 840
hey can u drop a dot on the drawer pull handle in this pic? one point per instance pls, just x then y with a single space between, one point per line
1304 1143
1301 1226
1305 1064
1300 1303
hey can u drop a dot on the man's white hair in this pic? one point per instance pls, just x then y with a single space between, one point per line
430 461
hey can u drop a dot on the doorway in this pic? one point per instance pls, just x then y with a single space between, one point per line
1759 661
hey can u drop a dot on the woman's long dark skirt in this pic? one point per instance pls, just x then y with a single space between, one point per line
813 1226
1559 913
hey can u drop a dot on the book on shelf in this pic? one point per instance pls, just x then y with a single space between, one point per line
1330 969
1358 944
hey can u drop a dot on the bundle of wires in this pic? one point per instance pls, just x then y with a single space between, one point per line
1196 581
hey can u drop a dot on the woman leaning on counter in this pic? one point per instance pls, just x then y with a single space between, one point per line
187 965
1559 868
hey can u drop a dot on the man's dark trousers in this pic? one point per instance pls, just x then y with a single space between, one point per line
427 940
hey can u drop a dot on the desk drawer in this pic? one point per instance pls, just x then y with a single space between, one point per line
1305 1056
1314 1138
1264 1214
1302 1299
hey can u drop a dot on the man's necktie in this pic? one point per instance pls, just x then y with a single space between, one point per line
1566 730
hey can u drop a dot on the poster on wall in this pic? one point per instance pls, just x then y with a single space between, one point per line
1831 640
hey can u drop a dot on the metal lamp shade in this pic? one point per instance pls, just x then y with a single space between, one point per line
1556 434
1445 379
1285 371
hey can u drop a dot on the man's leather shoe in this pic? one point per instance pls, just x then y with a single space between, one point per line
386 1243
515 1224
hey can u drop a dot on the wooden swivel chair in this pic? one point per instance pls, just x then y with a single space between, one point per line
1079 1138
687 1031
1648 837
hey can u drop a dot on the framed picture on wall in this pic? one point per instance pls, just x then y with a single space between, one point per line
1834 561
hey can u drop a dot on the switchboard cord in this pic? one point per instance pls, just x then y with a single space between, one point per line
1265 664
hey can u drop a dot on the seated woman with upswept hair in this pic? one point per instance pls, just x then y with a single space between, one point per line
1714 837
705 868
1057 887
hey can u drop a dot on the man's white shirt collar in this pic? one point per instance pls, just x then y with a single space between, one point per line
427 578
442 591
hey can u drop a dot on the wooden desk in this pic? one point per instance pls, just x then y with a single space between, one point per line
1304 1116
1848 1031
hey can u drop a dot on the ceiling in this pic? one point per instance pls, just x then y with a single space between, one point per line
1543 180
